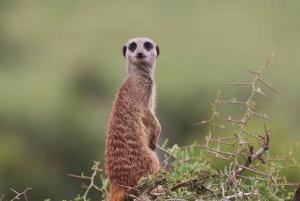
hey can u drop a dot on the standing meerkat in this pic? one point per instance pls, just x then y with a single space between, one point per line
133 128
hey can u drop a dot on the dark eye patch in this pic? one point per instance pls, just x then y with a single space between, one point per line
124 51
132 46
148 46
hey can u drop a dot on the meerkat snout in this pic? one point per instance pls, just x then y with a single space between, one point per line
140 55
141 51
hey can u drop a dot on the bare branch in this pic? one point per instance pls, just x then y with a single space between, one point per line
259 92
92 180
202 122
242 83
76 176
236 121
19 194
250 71
268 86
262 116
238 195
96 170
176 186
130 188
232 102
147 191
256 155
135 198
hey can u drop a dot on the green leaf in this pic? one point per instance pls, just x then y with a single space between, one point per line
255 77
105 184
96 187
186 154
195 165
78 197
86 187
173 148
218 146
182 155
192 151
201 153
242 107
238 126
258 89
165 143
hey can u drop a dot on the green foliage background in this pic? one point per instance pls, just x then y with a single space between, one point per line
61 64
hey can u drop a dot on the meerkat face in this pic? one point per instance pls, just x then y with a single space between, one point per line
141 51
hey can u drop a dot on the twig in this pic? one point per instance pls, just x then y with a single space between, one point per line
96 170
268 86
238 195
256 155
147 191
76 176
19 194
178 185
92 180
135 198
130 188
223 192
262 116
250 71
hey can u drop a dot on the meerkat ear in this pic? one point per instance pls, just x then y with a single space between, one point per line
157 51
124 50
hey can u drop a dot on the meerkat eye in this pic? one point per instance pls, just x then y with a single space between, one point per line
132 46
148 46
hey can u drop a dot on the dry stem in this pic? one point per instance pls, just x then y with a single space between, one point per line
19 194
252 157
147 191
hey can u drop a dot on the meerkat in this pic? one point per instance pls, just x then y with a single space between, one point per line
133 128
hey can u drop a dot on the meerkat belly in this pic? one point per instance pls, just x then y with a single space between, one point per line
128 165
129 156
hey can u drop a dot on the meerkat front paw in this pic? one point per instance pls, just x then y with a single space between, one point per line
153 141
152 146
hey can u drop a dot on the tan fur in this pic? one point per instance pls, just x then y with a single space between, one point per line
133 129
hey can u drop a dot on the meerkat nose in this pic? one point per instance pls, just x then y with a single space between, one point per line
140 54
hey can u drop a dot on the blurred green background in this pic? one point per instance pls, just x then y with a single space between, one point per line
61 64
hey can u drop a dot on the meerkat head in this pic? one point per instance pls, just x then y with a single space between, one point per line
141 51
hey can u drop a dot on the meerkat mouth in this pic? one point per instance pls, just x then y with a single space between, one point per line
140 55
